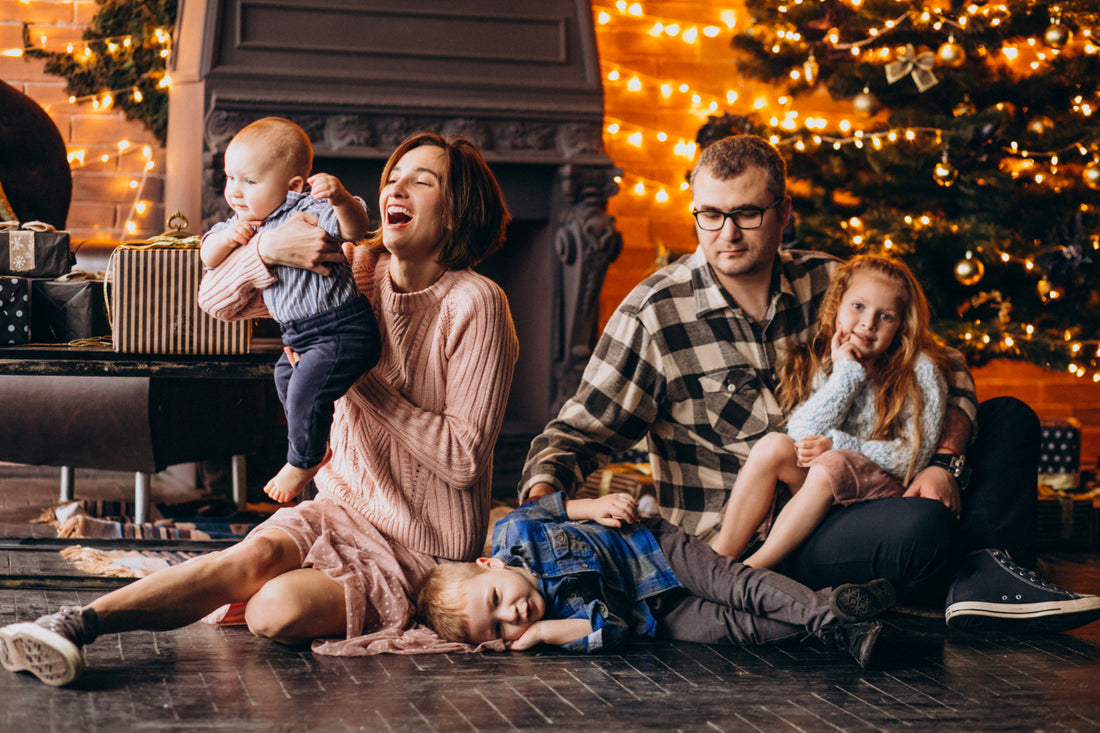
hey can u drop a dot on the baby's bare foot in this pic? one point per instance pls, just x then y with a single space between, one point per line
289 482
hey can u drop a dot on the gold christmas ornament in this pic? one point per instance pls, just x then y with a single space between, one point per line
1057 35
1091 175
1040 125
969 271
964 108
951 54
1048 291
809 70
865 103
944 173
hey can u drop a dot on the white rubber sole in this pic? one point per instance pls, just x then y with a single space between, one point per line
1046 617
50 657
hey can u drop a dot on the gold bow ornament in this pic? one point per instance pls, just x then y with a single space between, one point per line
919 65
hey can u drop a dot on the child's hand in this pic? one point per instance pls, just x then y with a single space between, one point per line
842 349
810 448
238 234
612 510
531 637
327 186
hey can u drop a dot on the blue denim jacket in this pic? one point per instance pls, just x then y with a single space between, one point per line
586 570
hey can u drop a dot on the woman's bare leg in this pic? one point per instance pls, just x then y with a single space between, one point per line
771 460
297 607
797 520
183 594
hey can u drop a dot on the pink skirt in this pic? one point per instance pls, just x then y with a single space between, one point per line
378 576
855 477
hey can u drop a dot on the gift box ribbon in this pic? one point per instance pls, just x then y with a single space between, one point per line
21 242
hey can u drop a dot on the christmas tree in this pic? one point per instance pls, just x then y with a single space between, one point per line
960 138
122 62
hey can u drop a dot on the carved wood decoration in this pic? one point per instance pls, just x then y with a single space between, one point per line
521 79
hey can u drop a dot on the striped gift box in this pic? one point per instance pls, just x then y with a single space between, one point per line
153 295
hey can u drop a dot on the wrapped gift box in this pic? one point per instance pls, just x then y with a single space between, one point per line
1060 455
1067 521
15 311
153 295
36 250
68 309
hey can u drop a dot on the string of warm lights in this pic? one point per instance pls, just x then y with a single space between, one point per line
104 100
787 120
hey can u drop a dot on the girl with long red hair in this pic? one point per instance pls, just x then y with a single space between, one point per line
868 395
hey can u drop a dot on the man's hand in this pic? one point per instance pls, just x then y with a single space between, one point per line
936 483
611 510
810 448
300 243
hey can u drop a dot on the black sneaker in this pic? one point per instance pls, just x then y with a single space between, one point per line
852 602
992 593
862 642
50 648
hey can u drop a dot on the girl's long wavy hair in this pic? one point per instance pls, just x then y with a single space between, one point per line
894 374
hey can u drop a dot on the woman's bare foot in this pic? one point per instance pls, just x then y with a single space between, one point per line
290 480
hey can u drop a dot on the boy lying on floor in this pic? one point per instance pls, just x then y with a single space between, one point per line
555 578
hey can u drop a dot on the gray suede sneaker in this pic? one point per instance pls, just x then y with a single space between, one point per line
51 648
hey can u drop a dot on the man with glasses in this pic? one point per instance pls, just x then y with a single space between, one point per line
688 362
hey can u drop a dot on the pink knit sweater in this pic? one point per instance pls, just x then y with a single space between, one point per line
413 440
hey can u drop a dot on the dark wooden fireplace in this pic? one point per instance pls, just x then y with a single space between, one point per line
521 78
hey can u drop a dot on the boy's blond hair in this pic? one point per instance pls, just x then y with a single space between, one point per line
283 140
441 599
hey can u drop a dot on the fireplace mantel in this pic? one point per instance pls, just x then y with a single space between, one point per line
520 78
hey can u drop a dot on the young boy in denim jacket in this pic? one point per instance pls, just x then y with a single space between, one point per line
586 574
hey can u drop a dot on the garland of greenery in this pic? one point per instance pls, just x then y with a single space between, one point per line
124 58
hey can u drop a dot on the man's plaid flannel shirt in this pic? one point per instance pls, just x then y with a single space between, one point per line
681 365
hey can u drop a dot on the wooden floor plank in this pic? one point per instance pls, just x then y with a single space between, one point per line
208 678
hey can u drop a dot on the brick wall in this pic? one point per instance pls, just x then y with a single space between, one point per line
1053 396
102 194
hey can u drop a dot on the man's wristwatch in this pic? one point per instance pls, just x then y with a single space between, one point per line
956 465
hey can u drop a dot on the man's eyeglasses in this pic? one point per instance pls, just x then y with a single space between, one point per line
747 217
